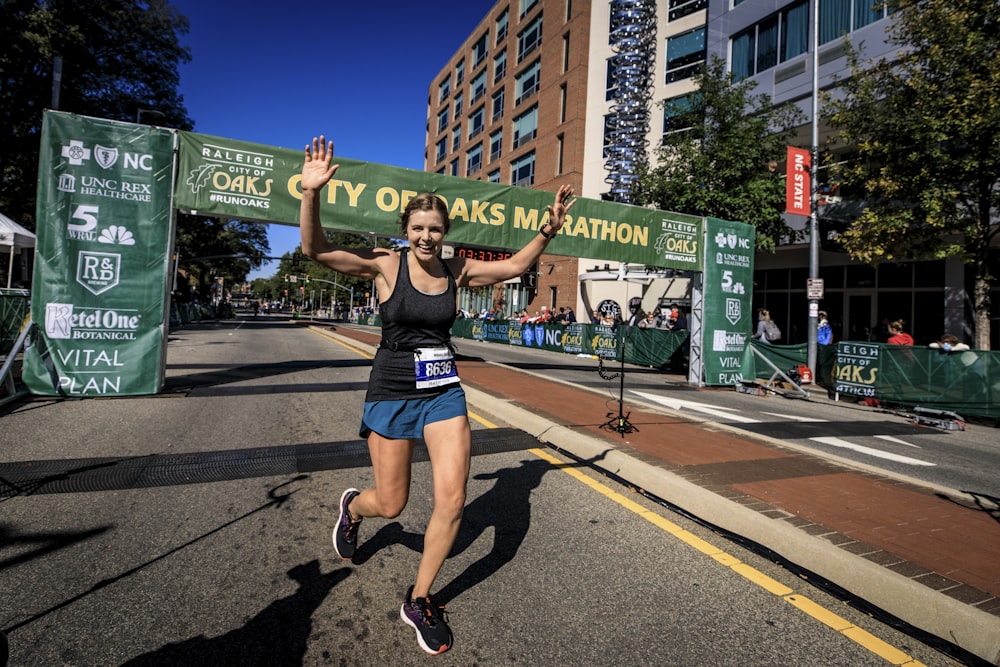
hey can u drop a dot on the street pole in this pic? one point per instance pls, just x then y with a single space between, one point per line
813 190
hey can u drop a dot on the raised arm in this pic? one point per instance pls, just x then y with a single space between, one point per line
476 273
316 174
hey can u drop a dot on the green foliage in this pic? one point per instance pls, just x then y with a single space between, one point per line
199 242
718 161
925 126
118 56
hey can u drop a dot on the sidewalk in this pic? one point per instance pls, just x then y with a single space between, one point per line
931 561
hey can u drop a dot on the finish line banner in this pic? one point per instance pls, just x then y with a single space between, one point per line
235 179
101 263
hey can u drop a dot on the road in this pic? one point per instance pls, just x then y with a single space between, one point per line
223 556
877 438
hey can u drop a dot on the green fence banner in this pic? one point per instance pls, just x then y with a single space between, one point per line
104 233
728 290
236 179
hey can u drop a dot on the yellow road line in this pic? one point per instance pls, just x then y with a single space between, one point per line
858 635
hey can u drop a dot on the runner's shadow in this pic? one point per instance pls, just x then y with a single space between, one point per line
277 636
506 507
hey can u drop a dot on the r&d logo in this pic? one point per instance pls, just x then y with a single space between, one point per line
66 321
98 271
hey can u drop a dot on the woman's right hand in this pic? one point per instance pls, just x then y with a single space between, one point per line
316 169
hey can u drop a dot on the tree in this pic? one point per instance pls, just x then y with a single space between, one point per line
118 57
203 246
925 126
719 155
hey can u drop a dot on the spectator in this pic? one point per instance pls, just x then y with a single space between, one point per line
648 322
767 331
676 319
949 343
570 315
824 332
896 334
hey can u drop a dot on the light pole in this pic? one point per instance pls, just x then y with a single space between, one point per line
813 189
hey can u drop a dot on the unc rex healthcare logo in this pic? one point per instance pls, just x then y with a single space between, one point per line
76 153
98 271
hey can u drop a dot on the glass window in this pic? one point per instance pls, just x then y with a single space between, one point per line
476 122
454 168
496 144
530 38
498 99
526 6
494 176
479 50
502 26
456 137
609 133
526 83
522 170
744 48
795 31
526 126
444 90
866 12
685 54
442 148
458 106
610 89
767 44
681 8
834 19
460 72
499 66
474 160
675 112
443 119
477 87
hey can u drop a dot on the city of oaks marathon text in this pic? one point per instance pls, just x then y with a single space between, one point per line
391 200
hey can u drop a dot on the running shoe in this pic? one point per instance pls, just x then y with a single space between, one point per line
345 534
427 618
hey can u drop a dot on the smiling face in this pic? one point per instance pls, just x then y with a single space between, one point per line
425 231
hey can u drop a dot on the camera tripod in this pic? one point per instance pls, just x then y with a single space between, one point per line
620 423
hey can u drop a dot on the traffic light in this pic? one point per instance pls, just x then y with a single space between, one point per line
307 279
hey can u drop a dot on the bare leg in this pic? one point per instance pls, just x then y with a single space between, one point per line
391 464
449 444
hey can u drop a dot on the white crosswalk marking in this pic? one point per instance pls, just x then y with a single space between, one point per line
837 442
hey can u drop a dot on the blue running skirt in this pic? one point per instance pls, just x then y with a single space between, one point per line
405 419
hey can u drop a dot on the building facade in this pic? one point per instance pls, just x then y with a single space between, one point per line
544 92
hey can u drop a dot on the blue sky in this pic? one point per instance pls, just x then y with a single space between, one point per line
278 74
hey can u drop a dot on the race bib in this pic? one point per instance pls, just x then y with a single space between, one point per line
435 366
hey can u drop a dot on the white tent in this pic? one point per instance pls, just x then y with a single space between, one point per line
14 236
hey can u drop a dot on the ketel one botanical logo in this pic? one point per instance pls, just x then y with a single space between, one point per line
98 271
66 321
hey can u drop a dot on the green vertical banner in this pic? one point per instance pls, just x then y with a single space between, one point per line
104 231
728 287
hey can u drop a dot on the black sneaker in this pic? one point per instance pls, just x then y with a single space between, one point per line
345 533
427 618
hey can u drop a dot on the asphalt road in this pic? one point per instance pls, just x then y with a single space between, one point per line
222 555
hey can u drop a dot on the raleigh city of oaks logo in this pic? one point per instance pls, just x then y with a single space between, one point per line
98 271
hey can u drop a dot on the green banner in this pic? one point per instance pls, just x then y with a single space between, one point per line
728 289
236 179
645 347
104 230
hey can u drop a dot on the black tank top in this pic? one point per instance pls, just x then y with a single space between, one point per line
410 319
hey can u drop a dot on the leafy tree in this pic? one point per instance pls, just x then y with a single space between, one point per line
926 126
203 246
720 158
118 56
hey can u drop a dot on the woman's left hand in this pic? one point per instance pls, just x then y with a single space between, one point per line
563 203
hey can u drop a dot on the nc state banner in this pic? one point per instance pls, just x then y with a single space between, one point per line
798 189
104 232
